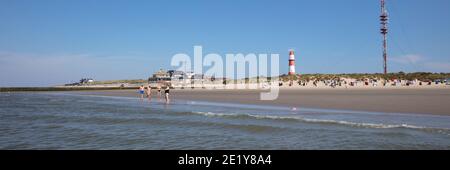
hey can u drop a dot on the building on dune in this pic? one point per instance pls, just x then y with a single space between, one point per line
176 78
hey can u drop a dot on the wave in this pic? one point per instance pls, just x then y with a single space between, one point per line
325 121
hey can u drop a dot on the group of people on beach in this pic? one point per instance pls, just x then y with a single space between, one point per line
148 92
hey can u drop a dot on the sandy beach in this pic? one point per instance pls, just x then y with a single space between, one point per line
418 101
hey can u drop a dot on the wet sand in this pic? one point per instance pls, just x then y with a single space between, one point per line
418 101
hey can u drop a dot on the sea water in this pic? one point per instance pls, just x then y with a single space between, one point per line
64 120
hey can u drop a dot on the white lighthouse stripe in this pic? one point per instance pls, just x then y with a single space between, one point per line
292 69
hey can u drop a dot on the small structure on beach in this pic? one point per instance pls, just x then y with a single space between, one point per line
81 82
86 80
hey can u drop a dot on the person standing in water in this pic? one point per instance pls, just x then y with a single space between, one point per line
149 93
166 92
141 92
159 92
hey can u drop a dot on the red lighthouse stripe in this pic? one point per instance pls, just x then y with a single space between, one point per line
291 62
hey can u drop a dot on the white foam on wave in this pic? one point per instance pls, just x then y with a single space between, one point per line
324 121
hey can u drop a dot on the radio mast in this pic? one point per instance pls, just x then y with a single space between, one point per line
384 30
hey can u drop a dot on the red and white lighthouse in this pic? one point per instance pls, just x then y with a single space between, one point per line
291 63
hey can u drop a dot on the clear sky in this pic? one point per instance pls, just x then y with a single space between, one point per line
48 42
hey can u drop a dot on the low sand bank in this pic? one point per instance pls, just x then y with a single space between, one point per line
68 88
422 101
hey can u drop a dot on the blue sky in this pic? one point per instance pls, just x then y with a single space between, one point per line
48 42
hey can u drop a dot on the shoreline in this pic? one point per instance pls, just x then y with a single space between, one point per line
409 101
44 89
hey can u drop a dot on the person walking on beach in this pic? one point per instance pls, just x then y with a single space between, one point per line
166 92
141 92
149 93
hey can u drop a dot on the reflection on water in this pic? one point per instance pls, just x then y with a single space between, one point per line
67 121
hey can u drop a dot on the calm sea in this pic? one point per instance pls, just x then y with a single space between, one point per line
70 121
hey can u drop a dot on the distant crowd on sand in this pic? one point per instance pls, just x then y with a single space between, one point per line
146 92
333 83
